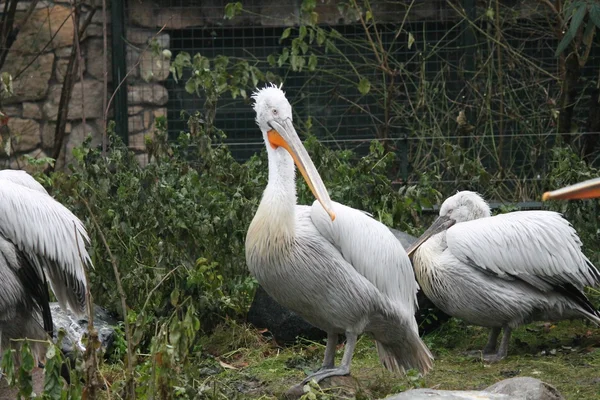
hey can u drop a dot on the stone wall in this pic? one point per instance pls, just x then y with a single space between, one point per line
147 95
39 57
38 60
44 44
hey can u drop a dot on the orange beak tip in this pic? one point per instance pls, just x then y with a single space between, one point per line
332 215
546 196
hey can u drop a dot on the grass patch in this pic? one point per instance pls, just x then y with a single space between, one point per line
237 362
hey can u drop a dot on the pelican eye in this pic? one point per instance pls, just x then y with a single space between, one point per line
274 111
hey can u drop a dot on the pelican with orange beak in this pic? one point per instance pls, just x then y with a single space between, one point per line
335 266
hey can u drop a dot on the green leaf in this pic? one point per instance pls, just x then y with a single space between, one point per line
232 9
303 32
368 16
321 36
364 86
191 86
595 14
312 62
286 34
175 297
574 25
411 40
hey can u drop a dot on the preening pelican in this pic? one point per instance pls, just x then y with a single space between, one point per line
589 189
40 241
503 271
339 269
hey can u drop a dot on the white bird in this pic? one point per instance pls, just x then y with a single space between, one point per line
589 189
339 269
41 242
503 271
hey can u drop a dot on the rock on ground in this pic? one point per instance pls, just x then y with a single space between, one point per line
75 328
519 388
527 388
285 325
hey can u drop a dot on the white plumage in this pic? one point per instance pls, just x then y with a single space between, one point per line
40 241
505 270
337 267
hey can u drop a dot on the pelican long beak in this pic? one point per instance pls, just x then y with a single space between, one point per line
283 134
439 225
589 189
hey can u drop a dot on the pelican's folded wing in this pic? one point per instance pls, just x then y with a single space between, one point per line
371 248
50 235
539 247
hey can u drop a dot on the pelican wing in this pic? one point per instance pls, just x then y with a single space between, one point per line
539 247
370 248
52 237
22 178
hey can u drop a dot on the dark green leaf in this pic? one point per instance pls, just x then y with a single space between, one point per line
595 14
574 25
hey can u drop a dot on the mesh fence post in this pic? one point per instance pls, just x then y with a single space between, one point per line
119 69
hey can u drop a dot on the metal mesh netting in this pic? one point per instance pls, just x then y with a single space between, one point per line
452 78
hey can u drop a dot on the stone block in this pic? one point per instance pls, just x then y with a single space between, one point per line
52 25
32 83
48 134
24 133
145 36
142 159
12 111
133 110
61 69
137 141
64 52
144 13
94 54
78 134
279 13
154 68
147 93
89 100
95 30
24 5
32 110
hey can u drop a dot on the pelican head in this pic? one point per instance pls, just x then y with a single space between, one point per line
589 189
462 207
274 118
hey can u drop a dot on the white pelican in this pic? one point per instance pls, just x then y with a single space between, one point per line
339 269
40 241
503 271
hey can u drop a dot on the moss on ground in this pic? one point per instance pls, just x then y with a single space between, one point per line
236 361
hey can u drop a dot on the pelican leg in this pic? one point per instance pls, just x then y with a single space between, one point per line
343 369
490 347
329 359
502 350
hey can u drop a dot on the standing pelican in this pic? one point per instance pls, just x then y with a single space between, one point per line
503 271
40 241
335 266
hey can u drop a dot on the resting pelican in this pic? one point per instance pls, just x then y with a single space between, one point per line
339 269
589 189
503 271
40 241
